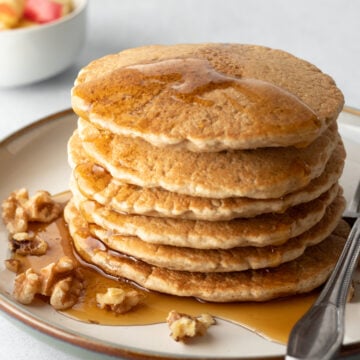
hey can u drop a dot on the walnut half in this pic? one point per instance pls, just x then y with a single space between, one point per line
118 300
41 207
184 326
61 281
65 293
19 209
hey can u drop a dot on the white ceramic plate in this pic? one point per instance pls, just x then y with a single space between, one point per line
35 157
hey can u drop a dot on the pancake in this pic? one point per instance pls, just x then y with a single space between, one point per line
207 170
261 173
235 259
97 184
262 230
301 275
208 97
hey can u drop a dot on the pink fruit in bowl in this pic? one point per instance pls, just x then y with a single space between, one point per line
44 11
32 52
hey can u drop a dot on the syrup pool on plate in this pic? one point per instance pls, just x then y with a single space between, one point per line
272 319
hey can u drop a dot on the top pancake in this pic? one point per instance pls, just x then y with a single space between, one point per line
208 97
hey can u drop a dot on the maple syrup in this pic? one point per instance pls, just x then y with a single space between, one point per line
272 319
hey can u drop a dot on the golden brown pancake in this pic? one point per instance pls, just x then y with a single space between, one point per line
207 170
208 97
260 173
217 260
301 275
97 184
262 230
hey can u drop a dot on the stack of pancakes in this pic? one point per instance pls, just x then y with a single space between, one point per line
208 170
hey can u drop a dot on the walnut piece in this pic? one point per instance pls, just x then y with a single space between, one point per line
53 272
184 326
118 300
12 265
41 207
18 210
13 211
61 281
23 236
65 293
27 243
26 286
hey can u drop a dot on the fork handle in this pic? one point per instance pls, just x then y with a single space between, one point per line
319 334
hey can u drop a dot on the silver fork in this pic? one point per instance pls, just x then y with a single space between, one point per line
319 334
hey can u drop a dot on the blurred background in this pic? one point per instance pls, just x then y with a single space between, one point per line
324 32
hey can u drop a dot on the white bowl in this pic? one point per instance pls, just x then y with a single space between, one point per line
35 53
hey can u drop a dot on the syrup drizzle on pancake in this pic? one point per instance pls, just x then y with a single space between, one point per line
129 88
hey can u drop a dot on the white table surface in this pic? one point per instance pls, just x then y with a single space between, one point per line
325 32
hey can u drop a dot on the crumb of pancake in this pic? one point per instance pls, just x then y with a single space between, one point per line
118 300
62 282
184 326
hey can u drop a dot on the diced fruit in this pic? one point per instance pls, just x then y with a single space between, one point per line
10 13
42 11
67 6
